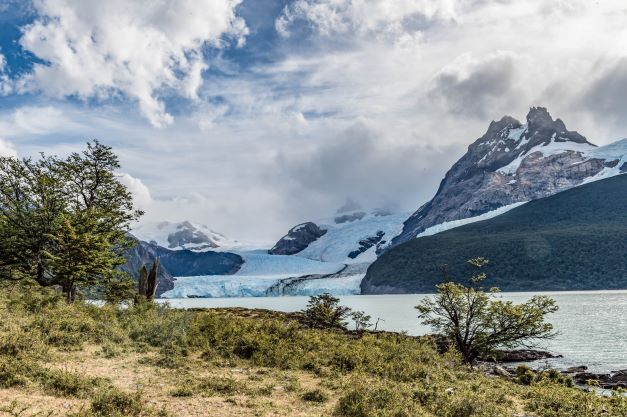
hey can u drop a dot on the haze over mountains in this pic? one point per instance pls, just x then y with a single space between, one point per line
512 163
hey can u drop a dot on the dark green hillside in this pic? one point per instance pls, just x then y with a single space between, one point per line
574 240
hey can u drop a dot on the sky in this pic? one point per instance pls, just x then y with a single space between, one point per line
251 116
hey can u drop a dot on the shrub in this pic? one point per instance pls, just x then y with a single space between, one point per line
325 312
115 403
315 396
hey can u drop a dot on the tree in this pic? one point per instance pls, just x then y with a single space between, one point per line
119 288
477 324
63 221
361 319
325 312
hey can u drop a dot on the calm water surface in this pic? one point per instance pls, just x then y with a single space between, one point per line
592 325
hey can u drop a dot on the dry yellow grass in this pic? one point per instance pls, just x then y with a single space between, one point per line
265 392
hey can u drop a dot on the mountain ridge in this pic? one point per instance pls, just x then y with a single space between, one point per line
511 163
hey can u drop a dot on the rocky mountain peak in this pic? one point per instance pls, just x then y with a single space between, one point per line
539 118
511 163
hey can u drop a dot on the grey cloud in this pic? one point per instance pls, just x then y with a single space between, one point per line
362 163
476 88
605 96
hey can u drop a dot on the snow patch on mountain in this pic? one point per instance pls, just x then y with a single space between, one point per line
343 238
616 151
554 147
183 235
442 227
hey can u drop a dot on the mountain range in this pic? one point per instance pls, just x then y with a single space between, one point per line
513 163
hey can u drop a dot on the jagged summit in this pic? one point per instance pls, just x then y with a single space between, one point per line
511 163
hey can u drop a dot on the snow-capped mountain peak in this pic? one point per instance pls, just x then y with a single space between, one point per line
511 163
182 235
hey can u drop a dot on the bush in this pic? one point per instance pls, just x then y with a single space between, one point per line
325 312
115 403
315 396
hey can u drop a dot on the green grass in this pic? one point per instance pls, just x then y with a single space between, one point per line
355 375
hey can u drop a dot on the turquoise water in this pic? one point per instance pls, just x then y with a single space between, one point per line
592 325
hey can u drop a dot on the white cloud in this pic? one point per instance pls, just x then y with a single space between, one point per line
6 86
377 103
140 49
7 149
385 18
140 192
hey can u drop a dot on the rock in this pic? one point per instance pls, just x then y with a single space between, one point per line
521 355
297 239
345 218
367 243
500 371
575 369
188 234
508 164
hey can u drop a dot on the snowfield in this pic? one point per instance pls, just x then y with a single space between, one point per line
324 266
263 274
159 233
442 227
342 239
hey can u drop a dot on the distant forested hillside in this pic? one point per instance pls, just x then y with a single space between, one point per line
574 240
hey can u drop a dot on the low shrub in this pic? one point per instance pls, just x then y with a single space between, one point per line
315 396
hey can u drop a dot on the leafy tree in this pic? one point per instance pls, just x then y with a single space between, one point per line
120 288
325 312
361 319
477 324
63 221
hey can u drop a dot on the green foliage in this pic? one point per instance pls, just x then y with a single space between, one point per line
362 320
324 312
63 221
573 240
119 288
476 324
315 396
115 403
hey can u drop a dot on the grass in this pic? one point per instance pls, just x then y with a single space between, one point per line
85 361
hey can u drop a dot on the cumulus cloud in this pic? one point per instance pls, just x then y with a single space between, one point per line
140 192
140 49
383 18
372 99
7 149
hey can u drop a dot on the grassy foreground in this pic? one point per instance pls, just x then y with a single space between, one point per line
80 360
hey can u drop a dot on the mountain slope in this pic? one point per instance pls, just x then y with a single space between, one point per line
511 163
574 240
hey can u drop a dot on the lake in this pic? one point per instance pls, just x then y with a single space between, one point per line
592 325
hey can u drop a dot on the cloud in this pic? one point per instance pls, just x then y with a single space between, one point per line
383 18
606 94
140 192
372 99
6 85
478 87
139 49
7 149
365 163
